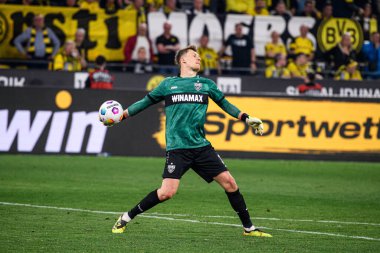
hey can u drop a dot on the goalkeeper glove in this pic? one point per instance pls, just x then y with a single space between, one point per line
256 124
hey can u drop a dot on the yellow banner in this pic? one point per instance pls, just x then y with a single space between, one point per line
106 33
295 126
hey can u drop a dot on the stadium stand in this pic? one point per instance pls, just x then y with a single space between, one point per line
341 46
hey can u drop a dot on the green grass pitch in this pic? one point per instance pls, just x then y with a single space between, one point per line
73 201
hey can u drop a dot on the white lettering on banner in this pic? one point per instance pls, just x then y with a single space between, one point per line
178 20
79 124
292 90
198 25
359 92
80 80
12 81
57 132
28 133
342 92
230 85
264 26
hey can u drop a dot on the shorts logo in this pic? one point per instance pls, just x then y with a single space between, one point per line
197 86
171 168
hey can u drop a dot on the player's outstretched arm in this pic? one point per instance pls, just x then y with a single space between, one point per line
138 106
218 97
254 122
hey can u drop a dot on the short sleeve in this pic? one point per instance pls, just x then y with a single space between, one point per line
215 94
176 40
228 42
159 40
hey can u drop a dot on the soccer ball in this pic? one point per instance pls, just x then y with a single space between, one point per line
110 113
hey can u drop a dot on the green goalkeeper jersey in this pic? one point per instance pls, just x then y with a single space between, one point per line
186 102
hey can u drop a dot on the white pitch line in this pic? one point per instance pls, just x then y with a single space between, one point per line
273 219
188 220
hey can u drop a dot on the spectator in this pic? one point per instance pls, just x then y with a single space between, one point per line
79 44
71 3
345 8
349 72
92 5
320 4
27 2
216 6
291 5
367 21
68 59
142 63
302 44
137 41
209 57
138 6
169 7
327 11
260 8
309 10
280 10
41 42
342 53
240 6
67 3
167 45
197 8
273 48
299 67
34 2
278 69
154 5
100 78
371 53
243 51
110 6
310 87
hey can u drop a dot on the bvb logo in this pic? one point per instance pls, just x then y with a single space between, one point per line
331 30
154 81
3 27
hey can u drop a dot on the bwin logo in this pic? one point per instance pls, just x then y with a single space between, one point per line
29 131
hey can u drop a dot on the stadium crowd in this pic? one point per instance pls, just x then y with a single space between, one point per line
299 59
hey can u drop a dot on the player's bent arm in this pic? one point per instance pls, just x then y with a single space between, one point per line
232 110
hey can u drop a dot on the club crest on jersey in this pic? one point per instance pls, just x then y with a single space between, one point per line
171 168
197 86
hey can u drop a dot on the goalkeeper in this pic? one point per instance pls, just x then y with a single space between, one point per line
186 100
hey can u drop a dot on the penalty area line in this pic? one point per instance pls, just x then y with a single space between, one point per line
159 217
